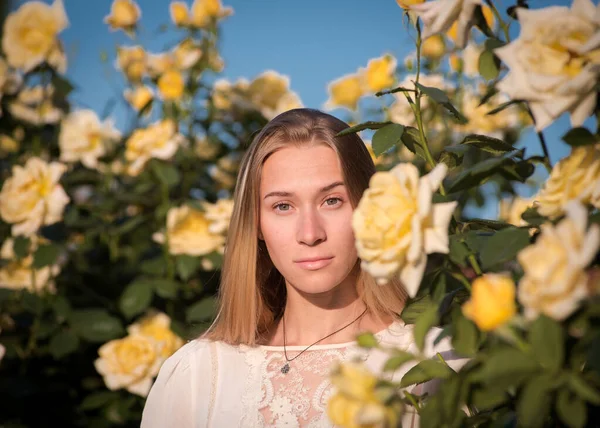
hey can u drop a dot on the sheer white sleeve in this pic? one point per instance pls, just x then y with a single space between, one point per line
180 396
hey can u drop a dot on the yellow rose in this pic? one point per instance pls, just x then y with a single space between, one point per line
35 105
132 61
267 89
396 224
188 232
84 138
355 402
8 145
171 85
139 97
186 54
479 122
179 13
379 74
406 4
20 274
30 33
219 215
160 140
124 14
573 177
434 47
555 280
492 301
157 327
206 149
456 63
130 363
205 11
32 196
345 92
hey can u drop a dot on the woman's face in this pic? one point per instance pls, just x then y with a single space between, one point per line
306 218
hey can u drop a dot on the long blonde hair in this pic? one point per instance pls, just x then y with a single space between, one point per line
252 292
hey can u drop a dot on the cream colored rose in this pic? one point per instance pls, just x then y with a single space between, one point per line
203 12
160 140
470 57
269 93
139 97
219 215
554 280
511 210
84 138
228 96
20 274
179 13
576 176
380 73
132 61
289 101
396 224
439 15
555 62
124 15
181 57
188 232
34 105
131 363
33 196
30 33
157 327
345 92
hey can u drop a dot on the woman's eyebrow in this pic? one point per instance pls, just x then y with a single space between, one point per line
288 194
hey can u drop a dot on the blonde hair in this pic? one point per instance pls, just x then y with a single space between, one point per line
252 292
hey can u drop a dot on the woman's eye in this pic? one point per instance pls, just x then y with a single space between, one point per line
333 201
282 207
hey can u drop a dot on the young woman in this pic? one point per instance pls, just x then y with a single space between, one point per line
292 296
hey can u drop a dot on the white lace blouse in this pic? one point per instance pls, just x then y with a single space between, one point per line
212 384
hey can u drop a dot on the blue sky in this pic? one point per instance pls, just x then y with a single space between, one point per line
311 41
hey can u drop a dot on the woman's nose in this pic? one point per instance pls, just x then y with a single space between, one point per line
311 230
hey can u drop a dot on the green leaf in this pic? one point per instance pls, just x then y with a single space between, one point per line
165 288
166 173
503 106
487 144
412 140
424 322
414 308
579 137
533 217
32 303
387 137
62 87
488 398
186 265
459 252
503 246
397 360
571 410
63 343
440 97
98 399
203 310
583 390
425 371
21 246
367 340
135 298
480 172
96 325
62 307
155 267
465 337
505 363
534 402
547 340
45 255
362 127
489 65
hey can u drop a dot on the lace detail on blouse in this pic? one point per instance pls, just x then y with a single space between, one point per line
299 397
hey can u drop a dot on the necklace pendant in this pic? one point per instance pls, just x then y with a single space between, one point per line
285 368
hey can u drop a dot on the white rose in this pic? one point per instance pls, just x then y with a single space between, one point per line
554 62
84 138
32 196
554 280
219 215
396 225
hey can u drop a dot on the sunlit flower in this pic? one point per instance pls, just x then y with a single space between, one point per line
492 301
179 13
124 15
203 12
157 327
35 105
434 47
84 138
345 92
132 62
488 15
171 85
219 215
31 34
380 73
139 97
32 196
555 62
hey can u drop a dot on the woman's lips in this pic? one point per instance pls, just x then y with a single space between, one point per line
314 264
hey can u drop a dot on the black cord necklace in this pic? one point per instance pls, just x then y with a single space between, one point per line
286 366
